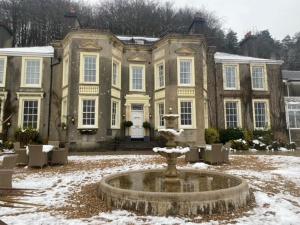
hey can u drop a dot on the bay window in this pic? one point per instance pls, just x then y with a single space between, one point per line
185 70
88 112
187 113
89 67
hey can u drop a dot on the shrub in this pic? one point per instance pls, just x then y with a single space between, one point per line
146 125
239 144
26 136
291 145
265 136
127 123
259 145
212 136
231 134
248 136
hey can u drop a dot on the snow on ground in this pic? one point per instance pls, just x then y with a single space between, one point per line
274 179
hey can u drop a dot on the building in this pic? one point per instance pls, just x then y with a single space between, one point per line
291 80
84 87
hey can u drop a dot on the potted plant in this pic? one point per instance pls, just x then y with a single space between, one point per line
127 125
147 127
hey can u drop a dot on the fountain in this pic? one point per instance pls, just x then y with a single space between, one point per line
164 192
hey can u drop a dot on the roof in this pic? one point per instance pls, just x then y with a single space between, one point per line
291 75
222 57
137 39
43 51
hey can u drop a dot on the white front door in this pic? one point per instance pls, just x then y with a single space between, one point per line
137 118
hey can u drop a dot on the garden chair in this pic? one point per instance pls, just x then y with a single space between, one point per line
37 158
60 156
6 178
22 158
9 162
213 156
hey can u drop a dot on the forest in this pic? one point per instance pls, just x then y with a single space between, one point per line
38 22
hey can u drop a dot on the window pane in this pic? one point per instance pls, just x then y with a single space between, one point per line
115 74
260 115
186 113
161 75
32 75
258 77
1 70
161 112
30 114
90 68
114 113
185 71
230 73
137 78
231 114
88 117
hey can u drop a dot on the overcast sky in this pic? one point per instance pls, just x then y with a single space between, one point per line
280 17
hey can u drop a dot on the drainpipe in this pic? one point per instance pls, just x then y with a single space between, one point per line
287 110
216 97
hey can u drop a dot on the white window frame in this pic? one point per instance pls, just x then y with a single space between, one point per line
22 99
193 125
118 63
156 74
266 101
66 64
24 68
143 78
4 58
3 96
192 84
288 114
82 55
239 111
237 77
80 112
64 109
118 114
157 118
265 77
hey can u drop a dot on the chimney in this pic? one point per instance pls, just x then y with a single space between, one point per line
198 26
70 21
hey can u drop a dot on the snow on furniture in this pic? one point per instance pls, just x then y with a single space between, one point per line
180 150
45 148
37 156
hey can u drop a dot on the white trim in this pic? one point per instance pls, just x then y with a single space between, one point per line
64 109
157 119
44 51
81 76
237 77
4 70
192 84
156 74
3 96
119 67
266 101
193 125
118 114
23 73
239 110
80 112
265 88
143 78
66 65
21 109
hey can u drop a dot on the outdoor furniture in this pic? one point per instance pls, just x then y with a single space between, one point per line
192 156
59 156
213 156
37 157
6 178
8 162
54 143
22 158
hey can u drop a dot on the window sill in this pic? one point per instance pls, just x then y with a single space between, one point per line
88 131
160 88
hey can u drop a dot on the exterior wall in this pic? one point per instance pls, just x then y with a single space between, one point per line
6 39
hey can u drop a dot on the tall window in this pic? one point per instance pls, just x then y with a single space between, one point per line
232 113
2 70
30 114
258 78
294 115
137 78
185 113
116 73
89 67
32 72
230 77
88 112
159 113
160 74
64 110
65 71
261 114
185 71
115 114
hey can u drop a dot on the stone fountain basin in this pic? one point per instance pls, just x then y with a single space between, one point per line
199 192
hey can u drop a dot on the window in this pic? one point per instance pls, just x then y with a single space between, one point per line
89 63
137 79
293 110
160 75
116 73
231 77
30 114
232 110
64 110
88 112
32 71
185 67
259 78
159 113
187 113
261 114
65 71
3 61
2 103
115 114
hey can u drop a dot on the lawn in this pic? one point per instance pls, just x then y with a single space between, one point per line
67 194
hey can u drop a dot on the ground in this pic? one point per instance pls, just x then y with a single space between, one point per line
67 194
